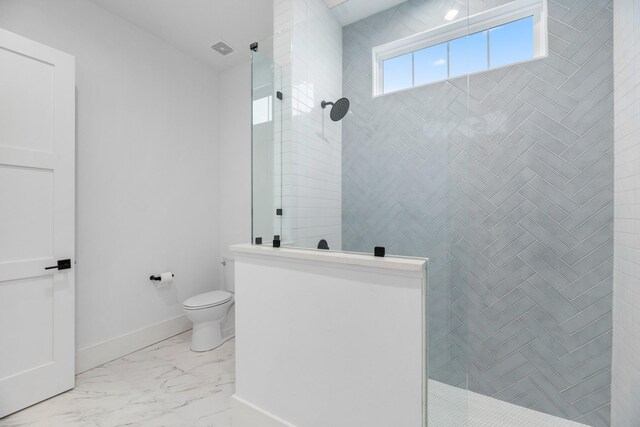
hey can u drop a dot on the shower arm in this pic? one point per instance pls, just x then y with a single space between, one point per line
323 104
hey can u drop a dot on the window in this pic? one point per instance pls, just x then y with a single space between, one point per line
430 64
502 36
262 110
398 72
468 54
511 43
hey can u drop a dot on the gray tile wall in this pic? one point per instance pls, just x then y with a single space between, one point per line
505 182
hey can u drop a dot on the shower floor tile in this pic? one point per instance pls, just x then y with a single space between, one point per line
454 407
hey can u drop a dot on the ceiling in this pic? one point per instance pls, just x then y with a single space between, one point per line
349 11
194 25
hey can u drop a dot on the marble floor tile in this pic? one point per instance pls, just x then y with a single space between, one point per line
165 384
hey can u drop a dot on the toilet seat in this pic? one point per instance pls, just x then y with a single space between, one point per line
207 300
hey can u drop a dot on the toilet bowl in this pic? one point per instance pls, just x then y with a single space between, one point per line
207 311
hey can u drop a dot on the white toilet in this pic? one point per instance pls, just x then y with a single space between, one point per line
212 313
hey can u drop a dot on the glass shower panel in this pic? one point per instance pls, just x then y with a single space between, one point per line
524 202
312 145
450 329
266 145
403 166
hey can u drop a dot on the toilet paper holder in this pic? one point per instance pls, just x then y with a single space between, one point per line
157 278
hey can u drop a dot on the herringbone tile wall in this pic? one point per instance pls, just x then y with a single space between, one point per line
504 180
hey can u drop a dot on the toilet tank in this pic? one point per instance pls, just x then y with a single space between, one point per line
228 281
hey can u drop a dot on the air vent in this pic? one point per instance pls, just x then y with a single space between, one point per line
222 48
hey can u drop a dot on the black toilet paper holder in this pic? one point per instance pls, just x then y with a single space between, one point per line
157 278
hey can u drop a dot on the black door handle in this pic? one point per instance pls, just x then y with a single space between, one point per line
63 264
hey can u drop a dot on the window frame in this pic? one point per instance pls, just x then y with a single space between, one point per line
479 22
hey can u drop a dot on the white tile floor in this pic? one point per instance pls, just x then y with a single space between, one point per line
166 384
454 407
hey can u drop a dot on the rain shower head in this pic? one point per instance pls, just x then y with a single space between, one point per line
339 109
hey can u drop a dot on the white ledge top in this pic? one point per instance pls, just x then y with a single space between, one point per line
408 264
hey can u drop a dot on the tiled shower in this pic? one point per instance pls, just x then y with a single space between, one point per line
504 180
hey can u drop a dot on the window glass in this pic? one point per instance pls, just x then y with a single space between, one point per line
398 73
262 111
505 40
430 64
468 54
512 42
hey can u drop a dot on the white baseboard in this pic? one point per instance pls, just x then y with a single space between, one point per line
106 351
245 414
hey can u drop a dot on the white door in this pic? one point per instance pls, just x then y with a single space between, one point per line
37 203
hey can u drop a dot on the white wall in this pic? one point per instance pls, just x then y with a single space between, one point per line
235 156
625 405
308 46
147 165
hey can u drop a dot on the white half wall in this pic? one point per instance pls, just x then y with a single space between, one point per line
147 166
244 414
328 339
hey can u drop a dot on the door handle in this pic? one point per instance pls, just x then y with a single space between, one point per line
63 264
